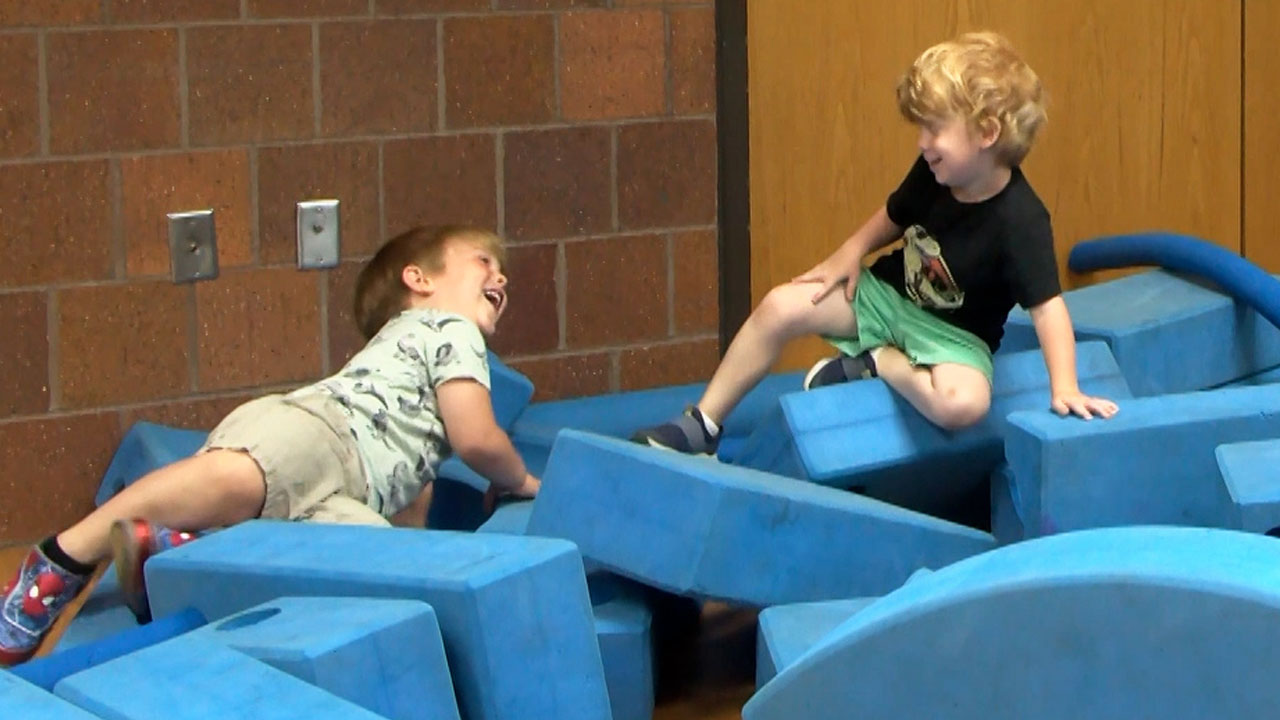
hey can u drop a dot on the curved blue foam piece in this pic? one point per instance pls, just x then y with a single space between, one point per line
1183 253
146 447
1151 463
1249 474
700 528
1174 623
21 699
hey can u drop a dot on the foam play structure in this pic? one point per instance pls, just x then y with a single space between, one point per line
1123 569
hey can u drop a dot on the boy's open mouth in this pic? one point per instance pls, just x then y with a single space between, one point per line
497 298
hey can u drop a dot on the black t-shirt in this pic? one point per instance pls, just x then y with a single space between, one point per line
968 263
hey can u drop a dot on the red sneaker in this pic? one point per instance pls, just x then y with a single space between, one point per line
132 543
33 599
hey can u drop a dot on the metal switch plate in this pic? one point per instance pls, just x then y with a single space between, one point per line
318 234
193 246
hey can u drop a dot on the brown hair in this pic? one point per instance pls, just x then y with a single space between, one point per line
380 289
978 77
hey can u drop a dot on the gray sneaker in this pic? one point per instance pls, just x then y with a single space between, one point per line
839 369
685 433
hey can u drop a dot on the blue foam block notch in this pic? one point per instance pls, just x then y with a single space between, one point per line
697 527
534 658
146 447
384 655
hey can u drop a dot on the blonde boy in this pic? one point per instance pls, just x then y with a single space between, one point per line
927 316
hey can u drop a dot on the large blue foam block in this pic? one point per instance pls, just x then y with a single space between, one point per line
1152 463
698 527
192 678
1168 334
1006 524
863 434
146 447
621 414
1251 474
384 655
514 612
1164 622
21 699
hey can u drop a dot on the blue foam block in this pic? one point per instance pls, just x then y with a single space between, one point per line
1151 463
698 527
621 414
863 434
1168 334
103 615
1251 473
381 654
509 391
45 672
511 518
1266 377
191 678
146 447
514 612
786 632
1167 622
1006 524
623 621
21 699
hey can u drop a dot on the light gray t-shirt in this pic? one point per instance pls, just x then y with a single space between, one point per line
388 393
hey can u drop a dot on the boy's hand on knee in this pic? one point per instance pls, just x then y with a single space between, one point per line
1085 406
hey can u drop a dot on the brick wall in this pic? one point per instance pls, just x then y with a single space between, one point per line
583 130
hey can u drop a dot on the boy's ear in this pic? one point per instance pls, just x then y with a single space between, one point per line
417 280
988 131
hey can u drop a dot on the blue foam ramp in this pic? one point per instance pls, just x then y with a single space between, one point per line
21 699
191 678
1152 463
1159 622
621 414
1168 334
537 657
384 655
623 621
146 447
786 632
863 434
45 672
511 518
509 391
1251 473
697 527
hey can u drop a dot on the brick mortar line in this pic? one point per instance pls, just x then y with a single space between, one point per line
62 413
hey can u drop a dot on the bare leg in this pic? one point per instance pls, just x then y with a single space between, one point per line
950 395
212 489
784 314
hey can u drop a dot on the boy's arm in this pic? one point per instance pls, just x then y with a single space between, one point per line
476 438
414 515
1058 342
845 264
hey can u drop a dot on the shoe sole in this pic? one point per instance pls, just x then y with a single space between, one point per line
813 371
126 550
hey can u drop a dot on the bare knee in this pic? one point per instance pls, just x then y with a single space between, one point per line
781 311
235 476
959 407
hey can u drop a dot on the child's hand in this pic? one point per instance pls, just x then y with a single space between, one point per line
528 489
1083 405
830 273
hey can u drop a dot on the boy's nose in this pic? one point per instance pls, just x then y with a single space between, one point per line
501 280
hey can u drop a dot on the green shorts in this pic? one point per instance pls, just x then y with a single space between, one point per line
886 318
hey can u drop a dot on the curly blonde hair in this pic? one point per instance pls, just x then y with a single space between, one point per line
981 78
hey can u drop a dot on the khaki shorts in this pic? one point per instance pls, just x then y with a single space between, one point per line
886 318
310 465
